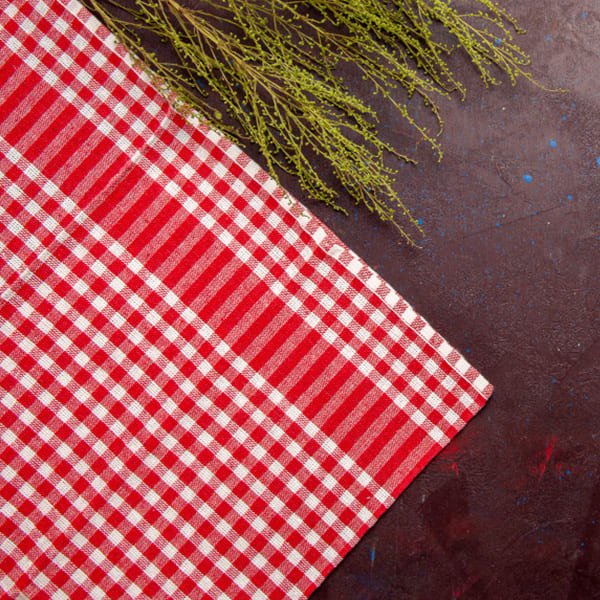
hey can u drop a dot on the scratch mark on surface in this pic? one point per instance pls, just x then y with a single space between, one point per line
583 354
537 213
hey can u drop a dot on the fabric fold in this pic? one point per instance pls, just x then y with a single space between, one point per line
205 393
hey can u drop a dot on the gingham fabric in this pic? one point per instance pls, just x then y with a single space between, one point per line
204 393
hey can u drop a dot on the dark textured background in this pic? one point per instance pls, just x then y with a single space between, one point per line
509 274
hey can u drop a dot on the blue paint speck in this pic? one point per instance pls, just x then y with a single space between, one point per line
598 160
419 221
468 350
533 242
527 178
372 554
563 118
498 42
498 224
570 197
554 381
553 143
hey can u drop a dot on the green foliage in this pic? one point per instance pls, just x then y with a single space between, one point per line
281 69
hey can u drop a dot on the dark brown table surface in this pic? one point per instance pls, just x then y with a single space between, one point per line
510 274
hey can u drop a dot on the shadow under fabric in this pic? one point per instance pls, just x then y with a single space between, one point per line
204 392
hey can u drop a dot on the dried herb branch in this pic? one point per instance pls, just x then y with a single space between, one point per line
277 66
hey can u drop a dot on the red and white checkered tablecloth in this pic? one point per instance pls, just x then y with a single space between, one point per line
204 393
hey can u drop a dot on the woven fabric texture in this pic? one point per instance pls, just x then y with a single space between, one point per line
204 393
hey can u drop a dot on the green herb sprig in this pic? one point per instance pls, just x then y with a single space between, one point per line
280 68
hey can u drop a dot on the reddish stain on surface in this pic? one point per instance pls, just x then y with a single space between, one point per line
541 468
468 584
452 449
